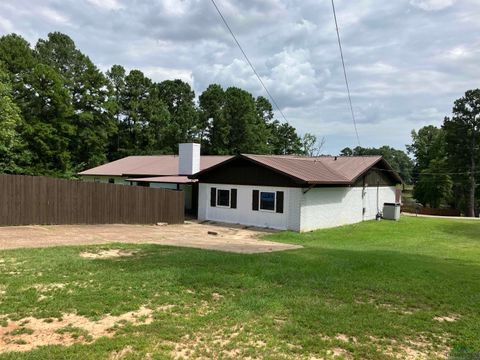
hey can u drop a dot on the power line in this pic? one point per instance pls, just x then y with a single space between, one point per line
436 173
248 61
345 73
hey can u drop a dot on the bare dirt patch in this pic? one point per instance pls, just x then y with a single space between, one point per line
448 318
29 333
48 287
395 308
339 352
203 346
230 238
415 349
108 254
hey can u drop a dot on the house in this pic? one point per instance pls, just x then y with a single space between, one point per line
159 171
281 192
295 193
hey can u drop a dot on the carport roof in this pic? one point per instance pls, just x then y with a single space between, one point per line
146 166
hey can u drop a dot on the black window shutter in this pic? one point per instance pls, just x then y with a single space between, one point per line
233 198
280 202
255 200
213 196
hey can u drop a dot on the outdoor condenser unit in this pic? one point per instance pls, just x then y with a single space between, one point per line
391 211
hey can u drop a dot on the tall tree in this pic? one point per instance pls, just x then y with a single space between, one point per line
88 89
214 130
12 154
183 125
284 139
432 185
19 61
462 139
136 95
116 78
248 133
48 129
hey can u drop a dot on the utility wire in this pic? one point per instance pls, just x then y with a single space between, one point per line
436 173
345 73
249 62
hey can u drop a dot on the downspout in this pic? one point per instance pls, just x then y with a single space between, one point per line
364 193
379 215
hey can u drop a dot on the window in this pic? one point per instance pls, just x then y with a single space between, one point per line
223 197
111 181
267 201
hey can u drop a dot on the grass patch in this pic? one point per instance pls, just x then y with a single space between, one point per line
369 291
75 332
21 331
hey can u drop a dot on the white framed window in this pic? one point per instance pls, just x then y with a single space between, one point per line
271 201
267 200
226 198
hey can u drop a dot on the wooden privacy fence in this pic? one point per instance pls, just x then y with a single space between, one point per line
26 200
430 211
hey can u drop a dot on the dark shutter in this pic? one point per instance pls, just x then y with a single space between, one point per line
213 196
255 200
279 201
233 198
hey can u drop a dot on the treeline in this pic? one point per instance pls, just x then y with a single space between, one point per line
60 114
397 159
447 158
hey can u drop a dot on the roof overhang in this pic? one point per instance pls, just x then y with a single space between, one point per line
164 179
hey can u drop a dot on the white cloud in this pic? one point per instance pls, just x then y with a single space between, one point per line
6 26
432 5
458 52
378 68
53 16
158 74
107 4
293 78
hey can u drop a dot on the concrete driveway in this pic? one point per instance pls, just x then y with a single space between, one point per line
210 236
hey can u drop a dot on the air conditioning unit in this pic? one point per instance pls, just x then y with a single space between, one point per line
391 211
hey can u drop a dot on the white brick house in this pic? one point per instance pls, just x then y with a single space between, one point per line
295 193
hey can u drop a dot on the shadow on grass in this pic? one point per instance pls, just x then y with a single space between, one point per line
469 229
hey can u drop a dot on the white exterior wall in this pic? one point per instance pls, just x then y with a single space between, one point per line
317 208
334 206
243 214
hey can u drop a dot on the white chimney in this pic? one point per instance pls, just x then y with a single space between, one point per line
189 158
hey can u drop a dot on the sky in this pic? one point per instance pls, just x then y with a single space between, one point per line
407 60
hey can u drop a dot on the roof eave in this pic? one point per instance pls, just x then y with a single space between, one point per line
329 183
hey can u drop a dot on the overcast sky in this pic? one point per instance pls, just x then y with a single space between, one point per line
407 60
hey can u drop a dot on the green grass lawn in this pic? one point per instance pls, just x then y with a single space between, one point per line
376 290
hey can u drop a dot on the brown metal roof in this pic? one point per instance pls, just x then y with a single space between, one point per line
155 165
165 179
317 170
